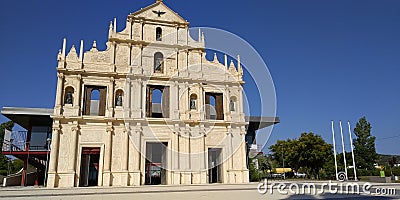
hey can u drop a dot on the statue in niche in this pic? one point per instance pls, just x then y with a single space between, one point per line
119 100
68 98
193 104
232 106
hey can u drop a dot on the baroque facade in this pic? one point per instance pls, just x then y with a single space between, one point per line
150 109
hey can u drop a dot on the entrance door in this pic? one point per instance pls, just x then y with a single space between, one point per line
89 167
156 163
214 165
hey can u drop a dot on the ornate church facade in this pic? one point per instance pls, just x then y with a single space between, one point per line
149 109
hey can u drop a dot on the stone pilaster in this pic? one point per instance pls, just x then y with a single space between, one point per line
110 99
59 95
125 156
52 173
77 96
74 151
108 157
127 102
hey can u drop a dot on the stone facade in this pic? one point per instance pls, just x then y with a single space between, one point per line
201 108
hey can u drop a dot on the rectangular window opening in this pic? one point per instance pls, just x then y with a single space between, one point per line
95 100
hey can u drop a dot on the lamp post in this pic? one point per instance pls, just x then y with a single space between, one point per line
47 161
283 164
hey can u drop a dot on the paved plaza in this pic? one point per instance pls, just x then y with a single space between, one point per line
193 192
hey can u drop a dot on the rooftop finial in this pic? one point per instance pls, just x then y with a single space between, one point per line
158 1
111 29
199 35
226 60
63 52
215 58
94 45
115 25
81 51
240 69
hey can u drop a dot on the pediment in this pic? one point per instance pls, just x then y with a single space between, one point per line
159 11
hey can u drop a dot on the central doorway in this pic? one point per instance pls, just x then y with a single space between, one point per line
89 174
156 163
214 165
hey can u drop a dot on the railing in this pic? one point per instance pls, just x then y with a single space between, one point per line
16 141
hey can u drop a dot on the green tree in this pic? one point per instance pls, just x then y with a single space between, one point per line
286 150
17 165
364 145
314 152
4 162
310 152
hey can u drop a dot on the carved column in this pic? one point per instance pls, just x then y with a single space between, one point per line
139 171
144 97
59 95
108 156
243 146
110 98
74 151
136 101
51 175
125 158
204 158
125 155
240 103
54 149
127 102
77 98
174 100
130 24
138 145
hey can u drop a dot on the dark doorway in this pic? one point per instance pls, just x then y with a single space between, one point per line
214 165
89 167
156 162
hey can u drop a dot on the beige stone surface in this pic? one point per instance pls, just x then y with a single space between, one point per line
127 65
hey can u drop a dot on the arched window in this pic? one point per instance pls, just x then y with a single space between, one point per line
119 97
158 33
158 62
213 113
94 102
156 103
193 99
232 104
69 95
214 106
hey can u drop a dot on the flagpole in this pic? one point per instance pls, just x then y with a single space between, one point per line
352 152
344 153
334 151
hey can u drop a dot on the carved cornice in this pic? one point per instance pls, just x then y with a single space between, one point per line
154 44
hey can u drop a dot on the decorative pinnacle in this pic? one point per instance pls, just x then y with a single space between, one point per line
216 58
81 51
94 44
226 60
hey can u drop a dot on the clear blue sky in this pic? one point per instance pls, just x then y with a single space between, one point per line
330 60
